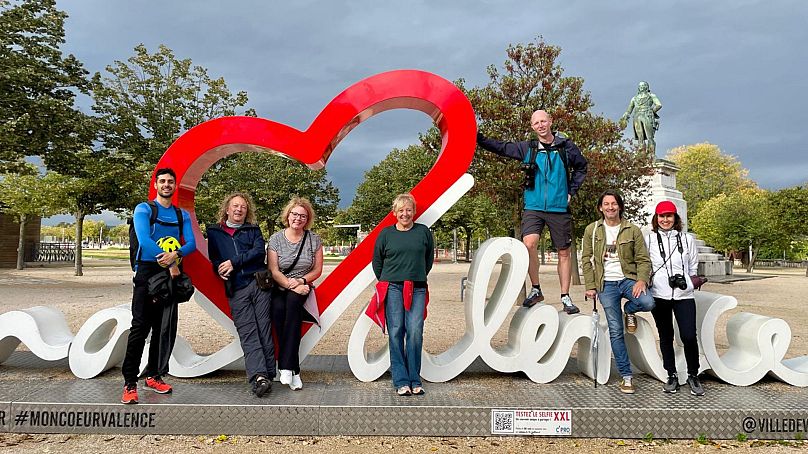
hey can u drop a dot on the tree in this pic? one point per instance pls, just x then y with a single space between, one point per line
145 103
119 234
532 79
397 173
472 214
738 221
705 172
270 180
26 196
38 87
791 208
104 182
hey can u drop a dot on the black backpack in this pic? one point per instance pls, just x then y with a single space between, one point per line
134 245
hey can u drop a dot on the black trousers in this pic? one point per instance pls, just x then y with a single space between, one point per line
147 317
287 318
685 313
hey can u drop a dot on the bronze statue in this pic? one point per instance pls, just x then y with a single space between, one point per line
645 106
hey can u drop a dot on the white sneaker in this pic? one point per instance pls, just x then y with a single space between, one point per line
297 383
286 376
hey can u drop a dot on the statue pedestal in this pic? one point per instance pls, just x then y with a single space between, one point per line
663 187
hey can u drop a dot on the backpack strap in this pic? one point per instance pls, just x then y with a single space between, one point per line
532 151
153 216
179 220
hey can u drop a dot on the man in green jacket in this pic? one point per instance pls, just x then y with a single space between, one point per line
616 265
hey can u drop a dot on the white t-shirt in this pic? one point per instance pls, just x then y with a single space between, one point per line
612 271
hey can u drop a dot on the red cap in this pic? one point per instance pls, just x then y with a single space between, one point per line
665 206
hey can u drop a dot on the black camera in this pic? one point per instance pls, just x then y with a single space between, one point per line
530 169
677 281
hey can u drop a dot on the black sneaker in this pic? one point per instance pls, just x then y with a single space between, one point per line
569 307
672 385
695 385
261 386
533 298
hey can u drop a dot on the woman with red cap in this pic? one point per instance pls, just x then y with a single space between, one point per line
674 260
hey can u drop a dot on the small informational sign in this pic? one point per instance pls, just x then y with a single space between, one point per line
531 422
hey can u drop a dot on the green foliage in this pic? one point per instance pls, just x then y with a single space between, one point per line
399 172
23 195
702 439
38 85
741 437
270 180
649 437
791 205
705 172
532 79
733 222
145 103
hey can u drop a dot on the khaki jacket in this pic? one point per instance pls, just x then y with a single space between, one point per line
634 259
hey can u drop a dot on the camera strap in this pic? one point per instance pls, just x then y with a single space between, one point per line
662 252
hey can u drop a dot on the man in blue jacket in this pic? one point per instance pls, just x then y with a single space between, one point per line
147 316
554 171
237 251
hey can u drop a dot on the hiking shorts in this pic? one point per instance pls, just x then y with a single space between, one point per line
560 225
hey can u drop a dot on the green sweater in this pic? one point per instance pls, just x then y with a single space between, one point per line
403 256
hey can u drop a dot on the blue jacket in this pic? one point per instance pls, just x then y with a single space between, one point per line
554 178
245 249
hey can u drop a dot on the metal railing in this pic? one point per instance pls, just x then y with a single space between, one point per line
779 263
50 252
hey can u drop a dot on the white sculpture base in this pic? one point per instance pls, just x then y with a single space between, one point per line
540 339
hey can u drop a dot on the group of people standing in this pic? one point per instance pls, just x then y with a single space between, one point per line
616 263
237 250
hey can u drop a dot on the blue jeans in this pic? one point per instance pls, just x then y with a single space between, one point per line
406 331
610 298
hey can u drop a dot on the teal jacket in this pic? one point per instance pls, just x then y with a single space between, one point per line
561 170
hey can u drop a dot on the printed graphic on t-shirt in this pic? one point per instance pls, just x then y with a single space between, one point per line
612 270
611 252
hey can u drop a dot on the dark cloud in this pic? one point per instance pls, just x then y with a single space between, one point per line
731 73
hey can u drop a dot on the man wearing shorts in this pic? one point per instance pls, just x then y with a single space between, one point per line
555 169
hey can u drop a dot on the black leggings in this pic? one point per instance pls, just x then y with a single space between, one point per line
685 313
287 310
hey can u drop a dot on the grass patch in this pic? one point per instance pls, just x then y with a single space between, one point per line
109 253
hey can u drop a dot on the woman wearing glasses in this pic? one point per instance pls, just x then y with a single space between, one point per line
295 258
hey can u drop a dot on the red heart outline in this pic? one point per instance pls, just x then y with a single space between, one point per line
200 147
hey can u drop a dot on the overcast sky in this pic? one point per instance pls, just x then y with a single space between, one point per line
732 73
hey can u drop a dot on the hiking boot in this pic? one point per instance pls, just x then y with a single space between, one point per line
534 297
695 385
631 323
672 385
157 385
261 386
129 394
569 308
626 386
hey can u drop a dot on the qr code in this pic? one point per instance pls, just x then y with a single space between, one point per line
502 422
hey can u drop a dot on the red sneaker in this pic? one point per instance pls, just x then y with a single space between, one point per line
129 394
157 385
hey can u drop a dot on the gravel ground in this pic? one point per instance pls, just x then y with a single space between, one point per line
107 283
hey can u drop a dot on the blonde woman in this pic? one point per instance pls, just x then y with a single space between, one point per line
295 258
402 258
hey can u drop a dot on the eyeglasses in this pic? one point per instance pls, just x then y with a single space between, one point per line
299 215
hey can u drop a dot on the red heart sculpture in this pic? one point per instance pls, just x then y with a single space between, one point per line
199 148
